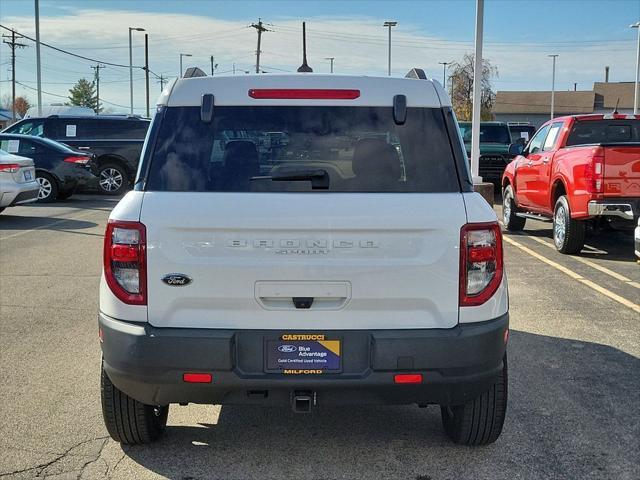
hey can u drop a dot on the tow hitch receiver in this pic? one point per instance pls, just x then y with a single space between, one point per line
302 401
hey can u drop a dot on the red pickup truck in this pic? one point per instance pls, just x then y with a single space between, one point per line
577 171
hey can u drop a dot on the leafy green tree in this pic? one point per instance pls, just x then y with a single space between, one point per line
83 94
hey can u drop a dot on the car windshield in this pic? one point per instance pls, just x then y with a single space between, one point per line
297 149
489 133
27 127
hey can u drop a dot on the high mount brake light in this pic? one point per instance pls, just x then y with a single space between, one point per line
125 261
303 94
9 167
481 263
79 160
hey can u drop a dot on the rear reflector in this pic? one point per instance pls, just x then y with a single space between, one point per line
197 377
304 94
407 378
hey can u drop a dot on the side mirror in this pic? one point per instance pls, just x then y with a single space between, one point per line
516 149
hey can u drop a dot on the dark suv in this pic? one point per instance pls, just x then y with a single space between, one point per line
116 141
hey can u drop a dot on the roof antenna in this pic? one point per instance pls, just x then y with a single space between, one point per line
304 68
615 110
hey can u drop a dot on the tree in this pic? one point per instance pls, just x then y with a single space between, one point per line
22 105
462 88
83 94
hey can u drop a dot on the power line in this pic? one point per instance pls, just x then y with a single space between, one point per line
93 60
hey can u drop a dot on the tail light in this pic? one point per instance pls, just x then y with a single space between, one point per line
594 171
481 264
125 261
78 160
9 167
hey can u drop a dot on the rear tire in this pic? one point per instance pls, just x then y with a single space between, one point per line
112 179
127 420
511 221
568 234
479 421
48 187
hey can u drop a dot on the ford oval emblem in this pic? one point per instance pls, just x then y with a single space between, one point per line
177 279
287 348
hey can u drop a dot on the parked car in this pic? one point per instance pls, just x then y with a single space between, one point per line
495 140
521 132
18 183
60 170
116 141
300 274
577 171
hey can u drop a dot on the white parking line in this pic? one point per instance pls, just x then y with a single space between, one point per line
600 268
576 276
48 225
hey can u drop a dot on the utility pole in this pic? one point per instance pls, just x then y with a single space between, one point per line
444 73
636 94
331 59
146 69
259 29
234 68
389 24
38 70
553 83
97 77
213 66
13 45
162 81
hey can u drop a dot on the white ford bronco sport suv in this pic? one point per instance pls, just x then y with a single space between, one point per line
303 240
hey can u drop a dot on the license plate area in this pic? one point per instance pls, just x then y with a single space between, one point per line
28 176
303 354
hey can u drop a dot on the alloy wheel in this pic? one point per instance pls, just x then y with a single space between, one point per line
110 179
45 188
559 226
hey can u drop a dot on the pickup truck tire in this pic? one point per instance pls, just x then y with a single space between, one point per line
568 234
112 179
127 420
480 420
511 221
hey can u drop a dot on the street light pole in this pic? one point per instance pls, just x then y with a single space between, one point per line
137 29
146 71
331 59
183 55
553 84
389 24
636 94
477 94
444 73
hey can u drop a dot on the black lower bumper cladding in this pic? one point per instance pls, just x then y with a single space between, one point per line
456 364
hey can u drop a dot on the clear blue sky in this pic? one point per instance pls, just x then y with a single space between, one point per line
587 34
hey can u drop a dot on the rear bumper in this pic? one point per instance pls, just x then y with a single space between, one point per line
19 193
627 209
457 364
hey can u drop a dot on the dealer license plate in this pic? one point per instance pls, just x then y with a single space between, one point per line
302 354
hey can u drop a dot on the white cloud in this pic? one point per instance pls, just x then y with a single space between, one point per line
359 45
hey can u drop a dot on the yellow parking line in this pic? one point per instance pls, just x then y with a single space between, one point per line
576 276
600 268
48 225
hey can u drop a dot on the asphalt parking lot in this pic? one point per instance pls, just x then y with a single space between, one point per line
574 406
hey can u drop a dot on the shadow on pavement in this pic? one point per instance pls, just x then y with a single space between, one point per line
573 413
10 222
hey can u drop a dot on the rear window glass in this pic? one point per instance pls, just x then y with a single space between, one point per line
604 131
297 149
488 133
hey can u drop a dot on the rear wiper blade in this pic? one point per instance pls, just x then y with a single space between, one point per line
319 178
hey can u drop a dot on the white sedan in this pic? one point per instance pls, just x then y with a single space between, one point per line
18 183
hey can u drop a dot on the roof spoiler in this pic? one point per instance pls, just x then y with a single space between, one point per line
416 73
193 72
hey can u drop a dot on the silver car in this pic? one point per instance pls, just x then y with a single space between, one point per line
18 183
